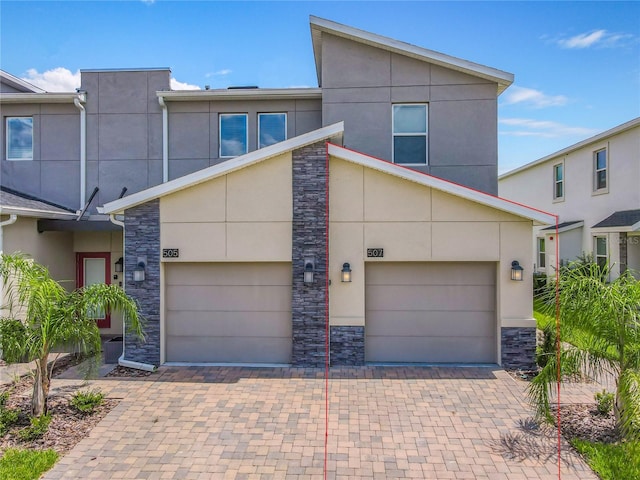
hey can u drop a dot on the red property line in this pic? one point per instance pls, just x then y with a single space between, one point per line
326 309
558 346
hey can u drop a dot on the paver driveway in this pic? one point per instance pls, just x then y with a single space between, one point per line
394 422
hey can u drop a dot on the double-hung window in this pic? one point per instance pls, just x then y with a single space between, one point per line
19 138
410 134
272 128
600 163
601 251
233 134
558 181
542 260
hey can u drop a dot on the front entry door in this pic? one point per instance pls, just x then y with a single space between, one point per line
95 268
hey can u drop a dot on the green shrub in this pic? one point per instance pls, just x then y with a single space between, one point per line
39 426
26 464
4 396
604 401
7 418
87 401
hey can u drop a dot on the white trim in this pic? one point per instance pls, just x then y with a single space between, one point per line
625 228
246 133
271 113
40 97
319 25
36 213
325 133
6 139
508 206
241 94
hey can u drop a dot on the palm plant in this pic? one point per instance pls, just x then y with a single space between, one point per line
41 316
600 332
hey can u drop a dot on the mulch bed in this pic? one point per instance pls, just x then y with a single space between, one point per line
125 372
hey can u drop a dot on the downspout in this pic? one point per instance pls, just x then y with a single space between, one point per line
165 140
83 147
121 361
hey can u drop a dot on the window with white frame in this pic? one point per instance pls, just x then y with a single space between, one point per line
19 139
233 134
558 181
272 128
542 257
600 251
410 134
600 164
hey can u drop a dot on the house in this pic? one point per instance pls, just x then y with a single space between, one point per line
258 221
593 187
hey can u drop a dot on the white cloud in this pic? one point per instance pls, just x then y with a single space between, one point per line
533 98
55 80
219 73
595 38
526 127
176 85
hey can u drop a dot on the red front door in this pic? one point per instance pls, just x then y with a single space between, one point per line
94 268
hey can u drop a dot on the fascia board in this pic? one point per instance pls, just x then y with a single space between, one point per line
538 216
224 168
249 94
568 228
36 213
40 97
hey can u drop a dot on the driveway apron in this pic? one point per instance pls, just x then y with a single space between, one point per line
263 423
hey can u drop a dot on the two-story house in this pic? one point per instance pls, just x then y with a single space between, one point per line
263 225
594 188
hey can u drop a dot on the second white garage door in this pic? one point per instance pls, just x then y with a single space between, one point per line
228 312
436 312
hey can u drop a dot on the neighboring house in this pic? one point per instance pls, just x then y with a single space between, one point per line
594 188
244 209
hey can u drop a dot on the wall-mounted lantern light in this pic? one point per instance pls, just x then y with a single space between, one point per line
516 271
139 271
309 268
346 272
119 265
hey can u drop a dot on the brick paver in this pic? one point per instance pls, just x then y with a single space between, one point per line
269 423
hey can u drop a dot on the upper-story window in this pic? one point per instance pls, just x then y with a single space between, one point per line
233 134
410 134
272 128
600 170
558 181
19 138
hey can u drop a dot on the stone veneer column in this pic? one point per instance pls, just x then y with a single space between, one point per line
347 346
142 239
309 229
518 347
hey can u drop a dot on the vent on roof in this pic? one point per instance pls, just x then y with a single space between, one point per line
243 87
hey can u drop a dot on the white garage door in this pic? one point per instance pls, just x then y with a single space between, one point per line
228 312
430 312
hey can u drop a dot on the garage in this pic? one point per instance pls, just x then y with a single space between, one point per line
228 312
430 312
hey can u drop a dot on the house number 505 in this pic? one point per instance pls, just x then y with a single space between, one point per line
170 253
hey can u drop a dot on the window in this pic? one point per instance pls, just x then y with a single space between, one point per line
233 134
272 128
410 134
542 263
558 181
601 251
19 138
600 170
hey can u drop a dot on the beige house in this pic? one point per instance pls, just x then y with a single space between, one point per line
594 188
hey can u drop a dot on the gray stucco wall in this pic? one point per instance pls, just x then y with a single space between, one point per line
360 83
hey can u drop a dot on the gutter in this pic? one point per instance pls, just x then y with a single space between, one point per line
165 140
83 146
121 361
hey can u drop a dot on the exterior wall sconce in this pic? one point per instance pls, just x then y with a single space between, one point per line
309 269
139 271
119 264
516 271
345 273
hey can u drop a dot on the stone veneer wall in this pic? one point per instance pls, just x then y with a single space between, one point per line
142 239
518 347
309 302
347 346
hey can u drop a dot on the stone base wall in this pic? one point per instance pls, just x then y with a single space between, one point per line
518 347
347 346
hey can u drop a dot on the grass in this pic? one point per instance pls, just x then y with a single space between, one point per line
611 461
26 464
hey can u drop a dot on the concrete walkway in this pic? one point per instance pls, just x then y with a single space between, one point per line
263 423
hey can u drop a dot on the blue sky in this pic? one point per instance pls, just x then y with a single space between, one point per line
576 64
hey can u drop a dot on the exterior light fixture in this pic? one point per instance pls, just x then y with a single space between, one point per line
516 271
119 264
309 268
139 271
346 273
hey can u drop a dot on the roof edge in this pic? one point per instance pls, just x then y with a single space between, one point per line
226 94
19 83
58 97
226 167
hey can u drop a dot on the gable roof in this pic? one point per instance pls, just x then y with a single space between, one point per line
565 226
118 206
13 202
18 83
319 25
514 208
621 221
